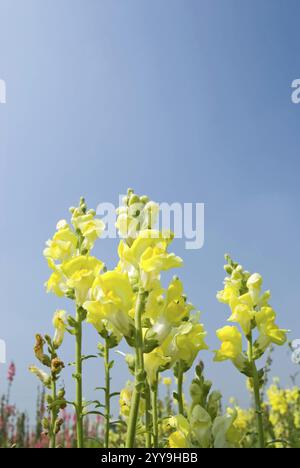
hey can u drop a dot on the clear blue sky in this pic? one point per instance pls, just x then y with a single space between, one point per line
186 101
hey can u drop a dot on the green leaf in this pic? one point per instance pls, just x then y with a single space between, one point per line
93 412
90 356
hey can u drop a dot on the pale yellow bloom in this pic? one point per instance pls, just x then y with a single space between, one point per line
80 273
60 324
63 244
111 299
231 344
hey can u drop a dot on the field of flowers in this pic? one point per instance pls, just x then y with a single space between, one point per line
163 329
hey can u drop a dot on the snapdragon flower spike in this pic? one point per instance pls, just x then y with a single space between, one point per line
250 306
68 255
251 310
137 214
74 271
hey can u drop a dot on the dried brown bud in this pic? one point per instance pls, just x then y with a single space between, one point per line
56 366
39 351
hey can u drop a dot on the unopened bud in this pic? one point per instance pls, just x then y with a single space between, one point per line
58 424
228 269
144 199
61 394
133 199
45 423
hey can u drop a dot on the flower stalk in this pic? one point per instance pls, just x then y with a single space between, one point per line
78 377
52 438
154 401
257 397
180 388
148 416
107 391
139 370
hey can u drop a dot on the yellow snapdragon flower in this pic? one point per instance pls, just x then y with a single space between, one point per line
90 227
63 244
243 314
232 286
180 437
80 273
244 418
60 325
166 310
41 375
154 362
231 344
125 400
254 285
225 434
269 331
77 274
148 254
56 284
178 440
184 342
111 300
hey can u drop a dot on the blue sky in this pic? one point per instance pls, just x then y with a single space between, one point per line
185 101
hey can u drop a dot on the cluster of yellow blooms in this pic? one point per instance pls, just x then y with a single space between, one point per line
163 328
251 310
284 410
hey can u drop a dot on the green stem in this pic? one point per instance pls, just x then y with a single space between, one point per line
139 370
256 386
180 388
52 443
148 416
79 406
154 391
107 393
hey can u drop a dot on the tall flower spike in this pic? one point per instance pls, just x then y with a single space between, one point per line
251 310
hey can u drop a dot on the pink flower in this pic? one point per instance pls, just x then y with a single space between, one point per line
11 372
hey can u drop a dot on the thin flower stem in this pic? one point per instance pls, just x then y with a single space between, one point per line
107 392
154 391
256 386
139 371
52 442
180 388
79 406
148 416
